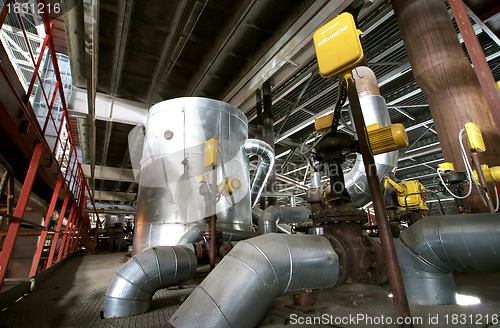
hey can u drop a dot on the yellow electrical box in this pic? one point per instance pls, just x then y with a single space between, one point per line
324 122
446 167
497 85
210 154
387 138
476 142
337 45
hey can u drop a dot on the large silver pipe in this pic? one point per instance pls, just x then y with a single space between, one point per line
430 250
263 170
240 290
137 281
193 235
271 216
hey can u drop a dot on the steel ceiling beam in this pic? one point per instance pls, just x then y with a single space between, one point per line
298 36
184 11
91 29
125 9
220 45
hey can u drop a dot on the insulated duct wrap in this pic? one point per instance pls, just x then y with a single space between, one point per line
374 111
263 170
152 269
273 215
240 290
430 250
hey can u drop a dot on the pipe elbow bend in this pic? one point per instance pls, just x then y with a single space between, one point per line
136 282
261 268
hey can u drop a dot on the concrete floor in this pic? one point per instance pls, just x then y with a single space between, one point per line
73 297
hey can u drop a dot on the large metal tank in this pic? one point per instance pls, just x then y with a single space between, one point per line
169 200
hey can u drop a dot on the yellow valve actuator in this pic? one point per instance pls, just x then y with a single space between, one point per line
490 174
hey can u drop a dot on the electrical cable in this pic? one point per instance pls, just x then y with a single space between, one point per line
498 202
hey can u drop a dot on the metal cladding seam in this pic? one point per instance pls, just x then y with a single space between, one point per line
136 282
263 170
240 290
433 248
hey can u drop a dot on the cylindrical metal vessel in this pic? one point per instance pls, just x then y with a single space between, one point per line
170 200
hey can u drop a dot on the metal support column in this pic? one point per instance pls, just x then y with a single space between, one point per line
478 59
269 138
10 239
43 236
390 256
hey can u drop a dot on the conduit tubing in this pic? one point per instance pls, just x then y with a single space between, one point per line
430 250
271 216
240 290
263 170
152 269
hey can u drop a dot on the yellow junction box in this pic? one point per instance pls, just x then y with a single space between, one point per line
337 45
476 142
323 122
210 154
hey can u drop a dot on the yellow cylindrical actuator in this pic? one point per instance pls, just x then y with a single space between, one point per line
387 138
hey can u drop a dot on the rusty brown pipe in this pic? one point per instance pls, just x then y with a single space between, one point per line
482 181
447 79
388 249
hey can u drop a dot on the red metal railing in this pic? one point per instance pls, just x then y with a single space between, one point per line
70 174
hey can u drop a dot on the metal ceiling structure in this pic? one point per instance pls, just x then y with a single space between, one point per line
132 54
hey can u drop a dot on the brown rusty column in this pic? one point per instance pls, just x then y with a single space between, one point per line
447 79
269 138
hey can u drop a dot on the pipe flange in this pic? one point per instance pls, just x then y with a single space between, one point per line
342 252
377 267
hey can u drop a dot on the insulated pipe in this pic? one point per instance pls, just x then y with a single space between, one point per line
430 250
240 290
271 216
193 235
263 170
374 111
152 269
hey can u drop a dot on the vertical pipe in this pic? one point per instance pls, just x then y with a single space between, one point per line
476 54
269 138
447 79
213 219
482 180
260 131
390 256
